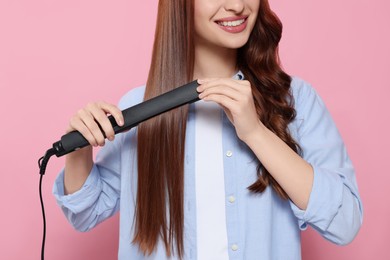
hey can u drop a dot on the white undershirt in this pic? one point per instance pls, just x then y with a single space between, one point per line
212 242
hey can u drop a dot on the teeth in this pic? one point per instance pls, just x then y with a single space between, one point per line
232 23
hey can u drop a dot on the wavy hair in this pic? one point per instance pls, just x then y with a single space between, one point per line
161 140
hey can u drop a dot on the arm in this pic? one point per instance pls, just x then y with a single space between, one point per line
334 208
292 173
99 195
89 192
322 184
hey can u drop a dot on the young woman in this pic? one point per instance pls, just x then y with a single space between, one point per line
236 175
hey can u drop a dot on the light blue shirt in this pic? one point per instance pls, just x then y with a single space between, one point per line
259 226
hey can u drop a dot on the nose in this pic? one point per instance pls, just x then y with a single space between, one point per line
236 6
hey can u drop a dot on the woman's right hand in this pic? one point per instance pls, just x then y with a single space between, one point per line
88 119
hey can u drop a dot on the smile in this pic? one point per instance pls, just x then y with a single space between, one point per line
231 23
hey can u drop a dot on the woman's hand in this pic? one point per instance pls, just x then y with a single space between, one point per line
292 173
235 97
88 119
88 122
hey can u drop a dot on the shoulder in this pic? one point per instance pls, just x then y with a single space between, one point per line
132 97
312 115
304 94
301 89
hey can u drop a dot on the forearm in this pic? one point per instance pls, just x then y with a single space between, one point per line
292 173
78 165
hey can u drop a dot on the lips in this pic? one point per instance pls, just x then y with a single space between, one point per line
233 24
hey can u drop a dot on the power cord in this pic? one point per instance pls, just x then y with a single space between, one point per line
42 163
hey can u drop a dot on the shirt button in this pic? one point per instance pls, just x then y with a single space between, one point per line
234 247
229 153
232 199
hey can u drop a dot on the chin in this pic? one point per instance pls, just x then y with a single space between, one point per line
234 43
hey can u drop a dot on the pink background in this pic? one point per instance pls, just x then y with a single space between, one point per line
55 56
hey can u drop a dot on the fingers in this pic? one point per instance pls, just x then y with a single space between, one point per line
99 112
225 86
84 122
92 122
236 90
223 81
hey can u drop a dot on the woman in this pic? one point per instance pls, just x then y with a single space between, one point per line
236 175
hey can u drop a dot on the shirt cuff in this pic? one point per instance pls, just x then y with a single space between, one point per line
81 199
324 202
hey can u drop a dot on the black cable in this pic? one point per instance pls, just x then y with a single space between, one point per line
44 219
42 163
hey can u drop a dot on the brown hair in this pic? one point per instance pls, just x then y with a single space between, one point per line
259 62
161 140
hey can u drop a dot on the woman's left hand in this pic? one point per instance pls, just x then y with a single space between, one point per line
235 97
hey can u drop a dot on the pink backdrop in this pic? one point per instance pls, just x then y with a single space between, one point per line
55 56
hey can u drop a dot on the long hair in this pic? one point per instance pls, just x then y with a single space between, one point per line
259 62
161 140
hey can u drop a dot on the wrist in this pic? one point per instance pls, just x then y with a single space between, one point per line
256 133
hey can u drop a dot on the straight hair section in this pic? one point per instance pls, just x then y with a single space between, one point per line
161 140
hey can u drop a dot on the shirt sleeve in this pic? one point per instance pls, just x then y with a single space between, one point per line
98 198
334 208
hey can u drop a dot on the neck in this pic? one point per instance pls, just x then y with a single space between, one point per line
215 62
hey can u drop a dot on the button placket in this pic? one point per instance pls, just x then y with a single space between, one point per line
229 153
234 247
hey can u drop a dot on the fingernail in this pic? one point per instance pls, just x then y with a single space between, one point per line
200 81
